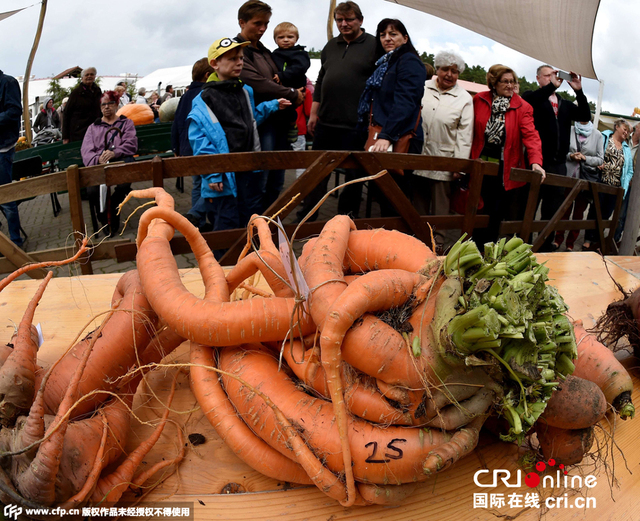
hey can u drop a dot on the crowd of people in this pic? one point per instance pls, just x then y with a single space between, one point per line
373 92
378 83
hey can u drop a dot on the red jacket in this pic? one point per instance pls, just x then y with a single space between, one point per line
519 129
304 110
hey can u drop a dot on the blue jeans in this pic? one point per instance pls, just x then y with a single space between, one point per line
10 210
250 198
195 191
273 136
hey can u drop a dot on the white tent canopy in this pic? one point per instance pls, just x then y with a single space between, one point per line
178 77
557 32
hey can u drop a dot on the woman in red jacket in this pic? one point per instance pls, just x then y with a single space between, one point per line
503 124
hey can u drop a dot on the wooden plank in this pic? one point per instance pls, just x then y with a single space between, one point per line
390 161
92 176
511 227
475 189
41 185
77 218
532 205
301 187
528 176
157 172
18 257
238 162
128 172
207 468
566 204
101 251
395 196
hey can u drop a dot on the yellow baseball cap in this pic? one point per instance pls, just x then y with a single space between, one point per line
219 47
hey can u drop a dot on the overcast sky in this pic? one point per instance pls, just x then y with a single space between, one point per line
140 37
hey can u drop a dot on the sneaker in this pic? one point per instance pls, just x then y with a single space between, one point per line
193 219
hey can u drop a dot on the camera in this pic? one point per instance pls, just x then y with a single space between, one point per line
564 75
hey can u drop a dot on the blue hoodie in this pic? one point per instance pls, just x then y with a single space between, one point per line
627 167
207 136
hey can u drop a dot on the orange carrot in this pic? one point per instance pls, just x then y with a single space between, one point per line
126 333
381 454
323 267
373 291
576 404
17 375
214 320
46 264
566 446
111 487
598 364
231 429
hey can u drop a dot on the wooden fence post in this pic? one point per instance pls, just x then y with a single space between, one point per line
77 218
157 171
475 188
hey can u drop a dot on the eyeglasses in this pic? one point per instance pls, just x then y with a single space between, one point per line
508 82
348 20
107 103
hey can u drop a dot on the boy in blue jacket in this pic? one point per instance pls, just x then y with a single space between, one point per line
224 119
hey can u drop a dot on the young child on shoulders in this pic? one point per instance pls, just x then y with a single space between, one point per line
224 119
291 59
292 62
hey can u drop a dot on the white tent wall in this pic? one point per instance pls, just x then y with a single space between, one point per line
557 32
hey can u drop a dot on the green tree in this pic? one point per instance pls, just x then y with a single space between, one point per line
132 92
476 74
427 58
57 92
314 53
571 97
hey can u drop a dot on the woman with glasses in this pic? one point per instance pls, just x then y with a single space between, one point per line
110 138
503 128
392 96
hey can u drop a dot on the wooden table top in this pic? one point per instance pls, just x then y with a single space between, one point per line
70 303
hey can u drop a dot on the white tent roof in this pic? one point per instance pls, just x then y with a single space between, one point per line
179 77
557 32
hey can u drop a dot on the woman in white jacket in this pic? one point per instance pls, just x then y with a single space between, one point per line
447 121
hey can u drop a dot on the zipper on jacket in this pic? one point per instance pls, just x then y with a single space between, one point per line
345 51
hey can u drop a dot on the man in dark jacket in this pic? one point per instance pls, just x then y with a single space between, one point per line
10 112
83 107
347 62
553 117
179 128
258 72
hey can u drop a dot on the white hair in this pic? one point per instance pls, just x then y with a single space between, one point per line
449 58
88 69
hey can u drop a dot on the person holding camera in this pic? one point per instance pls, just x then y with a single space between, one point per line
553 117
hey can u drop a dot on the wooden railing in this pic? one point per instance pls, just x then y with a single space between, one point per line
318 165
